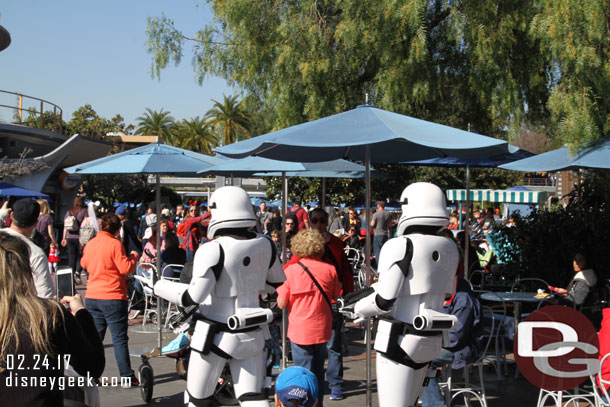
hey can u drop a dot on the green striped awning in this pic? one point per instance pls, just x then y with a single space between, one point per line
475 194
489 195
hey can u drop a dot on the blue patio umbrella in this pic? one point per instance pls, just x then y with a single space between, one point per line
272 167
259 166
8 190
155 159
366 134
594 157
481 162
390 138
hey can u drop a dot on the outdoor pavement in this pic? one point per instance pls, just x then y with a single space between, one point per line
169 388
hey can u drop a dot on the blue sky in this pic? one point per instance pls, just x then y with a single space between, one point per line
74 52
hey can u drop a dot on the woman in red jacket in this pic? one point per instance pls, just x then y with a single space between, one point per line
309 287
108 265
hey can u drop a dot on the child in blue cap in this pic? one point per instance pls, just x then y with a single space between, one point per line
296 387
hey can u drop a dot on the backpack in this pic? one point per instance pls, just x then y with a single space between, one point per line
70 223
87 231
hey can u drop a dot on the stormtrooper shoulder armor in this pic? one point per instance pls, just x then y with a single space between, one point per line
209 256
397 251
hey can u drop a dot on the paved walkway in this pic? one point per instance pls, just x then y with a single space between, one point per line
169 388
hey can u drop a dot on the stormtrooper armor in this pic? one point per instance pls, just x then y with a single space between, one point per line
416 271
229 273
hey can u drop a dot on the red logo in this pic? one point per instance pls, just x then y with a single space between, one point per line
556 348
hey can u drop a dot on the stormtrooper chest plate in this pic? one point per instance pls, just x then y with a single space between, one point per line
246 264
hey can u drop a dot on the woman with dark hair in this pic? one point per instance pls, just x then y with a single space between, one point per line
105 259
72 220
173 254
38 336
276 221
583 281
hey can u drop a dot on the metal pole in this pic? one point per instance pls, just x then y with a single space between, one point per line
323 202
467 226
284 311
158 257
367 257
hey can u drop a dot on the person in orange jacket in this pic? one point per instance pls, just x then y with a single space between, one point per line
108 265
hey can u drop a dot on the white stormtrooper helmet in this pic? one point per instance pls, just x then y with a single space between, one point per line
423 204
231 208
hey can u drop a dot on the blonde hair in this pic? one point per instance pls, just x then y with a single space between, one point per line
20 308
308 243
45 209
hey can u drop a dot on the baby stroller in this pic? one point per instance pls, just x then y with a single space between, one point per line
224 393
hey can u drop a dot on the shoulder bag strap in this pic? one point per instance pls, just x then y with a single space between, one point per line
317 284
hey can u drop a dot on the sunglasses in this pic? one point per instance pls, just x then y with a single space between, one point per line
315 221
289 223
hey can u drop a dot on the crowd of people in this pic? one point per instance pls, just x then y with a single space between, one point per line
102 248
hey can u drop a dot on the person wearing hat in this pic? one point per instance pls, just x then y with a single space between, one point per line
24 219
296 386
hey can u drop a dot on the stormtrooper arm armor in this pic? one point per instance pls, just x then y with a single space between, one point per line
395 261
206 268
275 275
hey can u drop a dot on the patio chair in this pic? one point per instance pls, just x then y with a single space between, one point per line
603 399
585 395
172 309
496 332
473 392
144 274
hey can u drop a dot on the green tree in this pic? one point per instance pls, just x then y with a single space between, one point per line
575 36
466 64
230 119
86 122
156 123
49 121
195 135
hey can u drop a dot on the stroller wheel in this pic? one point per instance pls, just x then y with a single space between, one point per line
146 382
224 394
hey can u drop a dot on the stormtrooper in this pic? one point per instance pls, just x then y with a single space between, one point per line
416 271
229 273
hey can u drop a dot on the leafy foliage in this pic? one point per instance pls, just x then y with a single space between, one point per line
549 239
230 118
195 135
466 64
86 122
154 123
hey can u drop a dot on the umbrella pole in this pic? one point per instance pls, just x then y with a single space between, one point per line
323 202
367 256
284 311
467 226
158 256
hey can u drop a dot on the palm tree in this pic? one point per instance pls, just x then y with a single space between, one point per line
231 117
195 135
156 123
